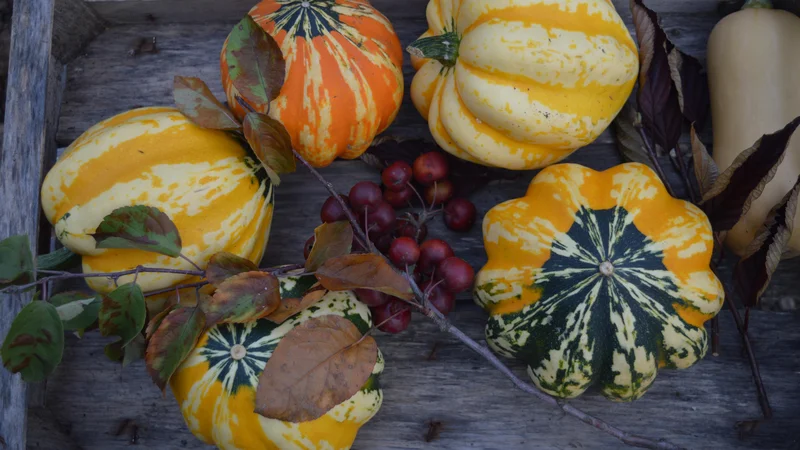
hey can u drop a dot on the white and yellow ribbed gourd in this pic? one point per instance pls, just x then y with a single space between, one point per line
210 185
216 385
521 84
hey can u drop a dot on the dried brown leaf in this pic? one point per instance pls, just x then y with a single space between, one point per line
271 143
195 100
292 306
365 271
705 169
691 83
646 35
763 254
243 298
172 342
744 181
629 142
255 62
224 265
317 365
331 240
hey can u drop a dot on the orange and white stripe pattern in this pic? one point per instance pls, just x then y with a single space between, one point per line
534 79
344 79
212 188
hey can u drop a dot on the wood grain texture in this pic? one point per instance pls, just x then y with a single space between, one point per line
24 147
697 408
76 24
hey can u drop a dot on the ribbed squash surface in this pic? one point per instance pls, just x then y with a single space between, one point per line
216 392
533 79
598 279
344 79
212 188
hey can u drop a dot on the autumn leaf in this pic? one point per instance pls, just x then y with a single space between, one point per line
271 143
705 169
744 181
291 306
35 342
763 254
629 142
123 314
331 240
195 100
16 260
224 265
657 96
316 365
155 322
243 298
364 271
140 227
172 342
691 84
77 310
61 259
126 354
255 62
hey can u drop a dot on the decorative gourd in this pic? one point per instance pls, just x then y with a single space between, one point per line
211 186
598 279
344 79
216 385
521 84
754 74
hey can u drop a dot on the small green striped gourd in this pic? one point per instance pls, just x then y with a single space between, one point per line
215 386
521 84
598 279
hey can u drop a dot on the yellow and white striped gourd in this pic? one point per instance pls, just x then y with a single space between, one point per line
521 84
210 185
216 385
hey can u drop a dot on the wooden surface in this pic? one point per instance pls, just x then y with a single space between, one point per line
24 146
96 405
76 24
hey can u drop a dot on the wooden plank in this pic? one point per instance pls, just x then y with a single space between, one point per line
697 408
204 11
24 143
76 24
106 80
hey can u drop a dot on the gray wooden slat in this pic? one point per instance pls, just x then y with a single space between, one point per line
24 147
76 24
479 409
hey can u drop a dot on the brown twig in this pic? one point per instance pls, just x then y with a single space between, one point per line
432 313
194 264
763 400
654 158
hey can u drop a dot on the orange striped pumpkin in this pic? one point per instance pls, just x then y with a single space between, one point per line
521 84
344 79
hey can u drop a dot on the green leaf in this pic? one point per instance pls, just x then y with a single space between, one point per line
77 310
224 265
172 342
16 260
255 63
331 241
123 313
195 100
140 227
243 298
35 343
61 259
127 354
155 322
271 143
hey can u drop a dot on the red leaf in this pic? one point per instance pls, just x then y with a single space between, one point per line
363 271
331 240
195 100
243 298
172 342
224 265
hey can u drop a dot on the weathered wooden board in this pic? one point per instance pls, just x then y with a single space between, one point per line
89 398
697 408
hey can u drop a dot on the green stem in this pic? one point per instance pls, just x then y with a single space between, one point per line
442 48
765 4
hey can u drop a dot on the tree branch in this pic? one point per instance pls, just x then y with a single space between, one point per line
445 325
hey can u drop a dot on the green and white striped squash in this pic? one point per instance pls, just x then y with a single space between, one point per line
598 279
216 385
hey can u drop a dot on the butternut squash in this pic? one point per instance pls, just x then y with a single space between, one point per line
754 77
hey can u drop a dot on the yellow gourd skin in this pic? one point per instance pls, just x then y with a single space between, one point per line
533 80
208 184
754 77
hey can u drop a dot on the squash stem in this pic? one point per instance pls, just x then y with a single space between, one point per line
765 4
442 48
